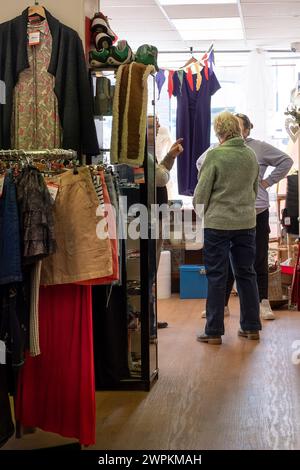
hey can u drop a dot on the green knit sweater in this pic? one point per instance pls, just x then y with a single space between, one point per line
227 186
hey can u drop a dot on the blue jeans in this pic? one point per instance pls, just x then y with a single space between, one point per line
237 247
10 248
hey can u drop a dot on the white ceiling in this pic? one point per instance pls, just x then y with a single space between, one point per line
268 24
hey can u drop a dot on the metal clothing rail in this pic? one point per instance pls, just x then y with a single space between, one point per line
216 51
53 154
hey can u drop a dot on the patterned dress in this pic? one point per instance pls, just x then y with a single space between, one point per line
35 120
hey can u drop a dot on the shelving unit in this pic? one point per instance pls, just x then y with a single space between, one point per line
140 259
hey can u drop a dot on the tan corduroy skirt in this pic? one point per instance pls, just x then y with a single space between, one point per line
80 254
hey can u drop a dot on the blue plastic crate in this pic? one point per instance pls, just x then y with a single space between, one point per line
193 282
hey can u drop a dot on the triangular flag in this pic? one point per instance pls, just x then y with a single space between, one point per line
170 83
206 72
189 77
160 80
211 62
180 78
199 76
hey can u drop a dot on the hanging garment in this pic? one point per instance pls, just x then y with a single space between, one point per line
14 321
110 332
109 181
72 87
35 118
10 246
80 254
112 232
57 389
34 337
103 101
193 124
130 114
36 216
99 191
290 213
6 423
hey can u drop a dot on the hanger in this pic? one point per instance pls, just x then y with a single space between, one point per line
37 9
192 60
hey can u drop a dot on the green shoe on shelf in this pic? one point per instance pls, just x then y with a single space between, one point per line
120 54
99 58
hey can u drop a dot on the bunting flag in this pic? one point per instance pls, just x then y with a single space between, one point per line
180 78
189 77
170 83
199 76
211 59
160 80
205 60
207 63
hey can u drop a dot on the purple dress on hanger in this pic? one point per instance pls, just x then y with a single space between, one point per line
193 124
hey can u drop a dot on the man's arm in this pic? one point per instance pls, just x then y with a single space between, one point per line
255 185
202 157
165 166
170 158
205 184
162 175
281 162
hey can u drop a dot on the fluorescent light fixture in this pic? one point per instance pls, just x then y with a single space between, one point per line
212 35
207 23
209 28
195 2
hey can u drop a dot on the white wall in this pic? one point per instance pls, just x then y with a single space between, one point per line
70 12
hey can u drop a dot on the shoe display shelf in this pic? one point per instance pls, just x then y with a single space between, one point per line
140 254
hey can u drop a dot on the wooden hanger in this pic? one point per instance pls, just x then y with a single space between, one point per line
192 60
37 9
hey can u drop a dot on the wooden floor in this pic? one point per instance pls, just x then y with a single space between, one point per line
240 395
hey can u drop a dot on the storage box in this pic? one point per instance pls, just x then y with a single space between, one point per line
193 282
275 286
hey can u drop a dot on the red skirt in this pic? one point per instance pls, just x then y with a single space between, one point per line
57 389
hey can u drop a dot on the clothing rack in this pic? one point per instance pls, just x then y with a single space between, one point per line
52 154
220 51
34 155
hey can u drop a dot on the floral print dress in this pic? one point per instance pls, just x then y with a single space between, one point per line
35 120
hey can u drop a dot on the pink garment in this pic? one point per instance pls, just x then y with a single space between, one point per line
57 389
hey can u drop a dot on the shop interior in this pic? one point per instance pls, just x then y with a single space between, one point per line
98 345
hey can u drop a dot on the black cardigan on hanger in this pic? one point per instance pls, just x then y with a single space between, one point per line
72 86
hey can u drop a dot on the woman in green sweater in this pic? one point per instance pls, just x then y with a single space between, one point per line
227 189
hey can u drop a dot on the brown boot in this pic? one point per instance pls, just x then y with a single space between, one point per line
210 339
249 334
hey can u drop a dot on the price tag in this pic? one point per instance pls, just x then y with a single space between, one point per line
2 353
53 190
34 38
1 185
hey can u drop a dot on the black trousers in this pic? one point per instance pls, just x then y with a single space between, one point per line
240 244
261 258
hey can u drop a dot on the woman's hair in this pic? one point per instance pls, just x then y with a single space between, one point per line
227 126
246 121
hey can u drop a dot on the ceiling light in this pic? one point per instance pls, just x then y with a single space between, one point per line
209 28
183 24
211 35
